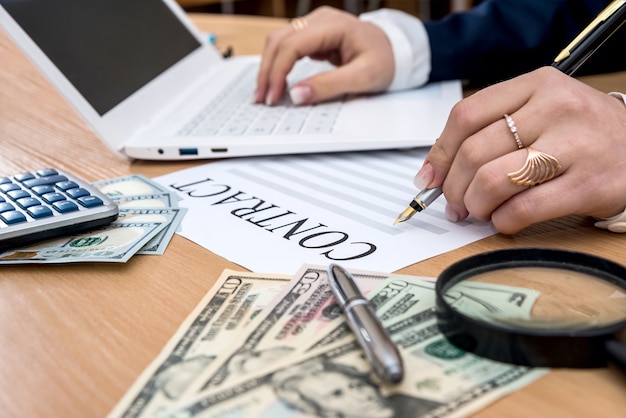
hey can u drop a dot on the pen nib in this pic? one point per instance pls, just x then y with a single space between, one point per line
405 215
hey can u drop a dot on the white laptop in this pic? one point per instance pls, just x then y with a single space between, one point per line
152 87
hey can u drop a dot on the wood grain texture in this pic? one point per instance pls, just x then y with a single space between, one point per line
73 338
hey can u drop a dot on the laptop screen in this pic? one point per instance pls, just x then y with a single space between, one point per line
107 49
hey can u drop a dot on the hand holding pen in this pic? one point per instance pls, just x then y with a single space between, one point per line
552 122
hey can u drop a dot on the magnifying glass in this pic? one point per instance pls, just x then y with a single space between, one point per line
535 307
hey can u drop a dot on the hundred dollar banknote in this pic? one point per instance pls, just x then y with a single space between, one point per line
440 379
171 217
230 307
116 242
143 200
131 185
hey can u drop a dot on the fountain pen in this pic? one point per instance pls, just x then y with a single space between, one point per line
419 203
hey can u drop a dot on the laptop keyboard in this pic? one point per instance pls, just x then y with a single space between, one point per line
232 112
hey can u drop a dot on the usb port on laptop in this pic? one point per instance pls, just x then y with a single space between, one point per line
187 151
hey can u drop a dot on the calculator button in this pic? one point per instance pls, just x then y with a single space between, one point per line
8 187
65 206
44 180
24 176
13 217
2 199
18 194
90 201
4 180
41 190
77 192
47 172
27 202
52 197
39 211
5 207
66 185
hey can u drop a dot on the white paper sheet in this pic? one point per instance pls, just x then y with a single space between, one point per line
272 214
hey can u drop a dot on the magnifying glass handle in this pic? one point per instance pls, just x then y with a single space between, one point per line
617 352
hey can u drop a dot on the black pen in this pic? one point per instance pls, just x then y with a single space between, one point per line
591 38
380 351
568 61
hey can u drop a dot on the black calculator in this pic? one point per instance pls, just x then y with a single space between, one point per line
46 203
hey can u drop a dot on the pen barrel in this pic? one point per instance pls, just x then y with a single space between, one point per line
376 343
425 198
591 38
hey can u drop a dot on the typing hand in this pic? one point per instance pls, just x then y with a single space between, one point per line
360 50
577 131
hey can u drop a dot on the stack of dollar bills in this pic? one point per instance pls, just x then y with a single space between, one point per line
148 218
273 346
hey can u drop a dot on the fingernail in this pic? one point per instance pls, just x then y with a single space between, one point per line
300 94
424 177
451 214
269 100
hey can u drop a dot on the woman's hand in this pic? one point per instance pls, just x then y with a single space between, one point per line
360 50
584 129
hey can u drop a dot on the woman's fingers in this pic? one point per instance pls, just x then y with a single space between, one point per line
473 114
573 154
486 157
361 51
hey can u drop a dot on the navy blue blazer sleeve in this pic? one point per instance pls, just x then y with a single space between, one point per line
499 39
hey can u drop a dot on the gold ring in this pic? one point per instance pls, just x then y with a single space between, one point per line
299 23
538 168
513 129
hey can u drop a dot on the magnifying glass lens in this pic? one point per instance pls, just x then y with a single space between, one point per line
539 298
535 307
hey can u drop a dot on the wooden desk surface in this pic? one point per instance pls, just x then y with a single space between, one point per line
73 338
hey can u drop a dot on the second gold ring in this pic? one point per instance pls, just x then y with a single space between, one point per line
299 23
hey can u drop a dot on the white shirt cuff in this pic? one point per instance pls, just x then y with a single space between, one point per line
410 45
615 223
618 95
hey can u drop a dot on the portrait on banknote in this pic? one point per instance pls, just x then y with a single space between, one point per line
327 388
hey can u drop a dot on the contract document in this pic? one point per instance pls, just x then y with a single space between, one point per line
272 214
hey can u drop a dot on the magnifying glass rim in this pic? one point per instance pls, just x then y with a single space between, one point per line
445 282
464 330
